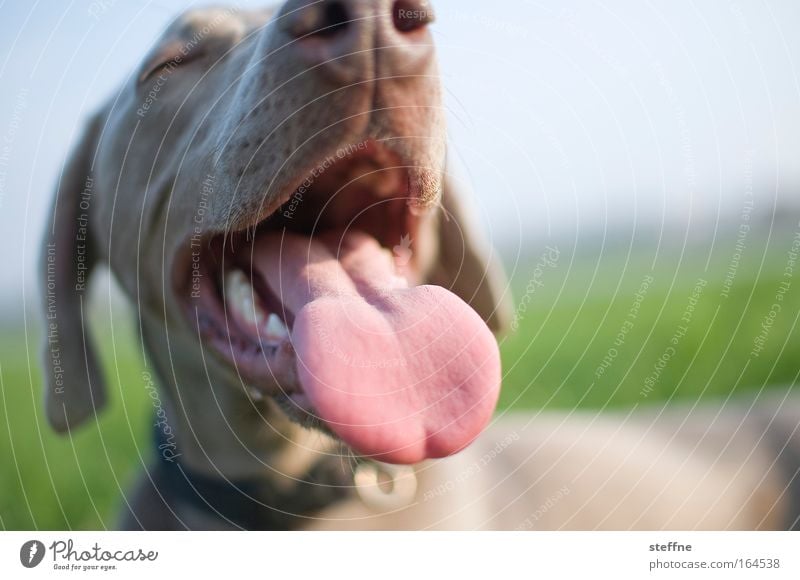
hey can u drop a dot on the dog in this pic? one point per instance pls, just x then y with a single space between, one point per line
271 191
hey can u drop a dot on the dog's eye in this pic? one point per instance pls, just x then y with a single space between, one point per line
167 62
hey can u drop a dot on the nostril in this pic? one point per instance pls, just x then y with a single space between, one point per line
409 15
334 19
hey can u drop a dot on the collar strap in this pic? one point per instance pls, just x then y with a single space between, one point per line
253 503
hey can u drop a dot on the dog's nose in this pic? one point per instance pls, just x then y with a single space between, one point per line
355 40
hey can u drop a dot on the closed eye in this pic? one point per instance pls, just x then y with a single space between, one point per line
167 61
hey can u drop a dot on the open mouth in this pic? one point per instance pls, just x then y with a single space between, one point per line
318 306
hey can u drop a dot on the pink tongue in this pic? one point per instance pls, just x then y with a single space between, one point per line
400 374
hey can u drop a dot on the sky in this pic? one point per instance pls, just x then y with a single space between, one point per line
569 118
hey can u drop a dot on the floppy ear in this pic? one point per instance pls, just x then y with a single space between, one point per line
73 384
467 264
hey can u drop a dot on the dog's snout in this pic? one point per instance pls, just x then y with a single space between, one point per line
349 41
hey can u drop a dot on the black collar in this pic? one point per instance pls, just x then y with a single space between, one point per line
254 503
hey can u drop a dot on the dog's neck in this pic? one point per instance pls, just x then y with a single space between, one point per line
247 439
222 450
280 498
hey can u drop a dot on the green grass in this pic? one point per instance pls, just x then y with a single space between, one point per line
50 482
575 317
72 482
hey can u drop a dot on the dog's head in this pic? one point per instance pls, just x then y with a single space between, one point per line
253 162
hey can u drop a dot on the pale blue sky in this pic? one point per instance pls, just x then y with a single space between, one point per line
571 117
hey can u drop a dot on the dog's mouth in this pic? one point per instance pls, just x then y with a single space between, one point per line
318 307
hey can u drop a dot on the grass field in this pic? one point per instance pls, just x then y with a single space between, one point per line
612 329
598 327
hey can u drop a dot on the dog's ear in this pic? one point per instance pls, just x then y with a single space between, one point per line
467 264
74 389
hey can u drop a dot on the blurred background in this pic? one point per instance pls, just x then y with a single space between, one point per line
633 162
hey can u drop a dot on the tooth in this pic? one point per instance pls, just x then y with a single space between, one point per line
255 394
275 328
241 298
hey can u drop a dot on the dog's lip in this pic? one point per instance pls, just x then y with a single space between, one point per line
336 272
378 152
207 312
219 330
